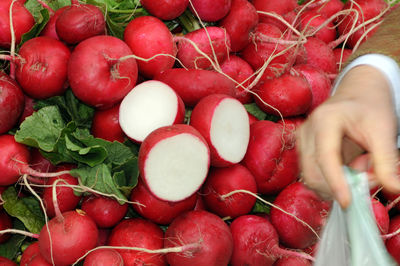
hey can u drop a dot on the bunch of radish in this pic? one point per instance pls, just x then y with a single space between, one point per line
205 95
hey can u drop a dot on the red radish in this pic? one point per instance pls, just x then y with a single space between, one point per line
159 211
327 8
72 235
273 162
97 75
239 70
6 262
210 10
42 67
39 163
180 174
29 254
11 103
200 205
38 260
28 109
319 82
105 125
381 216
50 29
210 235
165 9
194 84
224 123
148 37
317 54
5 223
66 199
221 181
305 205
139 233
278 7
148 106
393 243
103 237
341 56
105 212
290 95
311 21
256 243
79 22
213 41
252 118
390 197
292 261
240 21
22 20
104 257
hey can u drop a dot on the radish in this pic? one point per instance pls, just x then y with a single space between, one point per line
256 243
278 7
194 84
148 37
210 235
11 103
159 211
32 257
224 123
341 56
270 158
292 261
210 10
72 235
289 95
104 257
150 105
28 109
79 22
165 9
139 233
97 74
390 197
393 243
174 161
104 234
307 207
50 29
22 21
327 8
240 21
105 212
106 125
239 70
39 163
221 181
381 216
311 21
6 262
5 223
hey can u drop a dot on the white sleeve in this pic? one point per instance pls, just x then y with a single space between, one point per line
389 68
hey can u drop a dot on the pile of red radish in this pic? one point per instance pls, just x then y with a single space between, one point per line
213 112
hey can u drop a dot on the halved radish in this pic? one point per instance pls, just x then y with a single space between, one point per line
224 123
150 105
174 162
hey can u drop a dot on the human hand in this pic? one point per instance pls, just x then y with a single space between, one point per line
359 117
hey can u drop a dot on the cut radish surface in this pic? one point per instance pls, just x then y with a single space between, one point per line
150 105
224 123
174 162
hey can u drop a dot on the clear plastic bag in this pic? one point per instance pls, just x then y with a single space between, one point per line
351 237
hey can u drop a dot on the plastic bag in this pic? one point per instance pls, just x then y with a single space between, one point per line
351 237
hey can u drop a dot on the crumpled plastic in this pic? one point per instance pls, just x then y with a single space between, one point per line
351 236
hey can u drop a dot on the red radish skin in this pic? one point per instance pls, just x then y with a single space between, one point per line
106 126
180 174
147 37
381 216
103 237
221 181
290 95
210 232
200 205
66 199
22 19
319 82
310 21
341 56
327 8
292 261
50 29
194 84
6 262
165 9
393 243
159 211
240 21
273 166
39 163
104 257
277 7
203 39
5 223
97 76
72 235
79 22
38 260
29 254
12 103
239 70
28 108
391 197
150 105
224 123
210 10
106 212
139 233
252 118
42 69
306 206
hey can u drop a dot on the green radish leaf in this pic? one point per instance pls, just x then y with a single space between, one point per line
126 176
41 16
26 209
253 109
57 4
261 207
11 248
90 155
